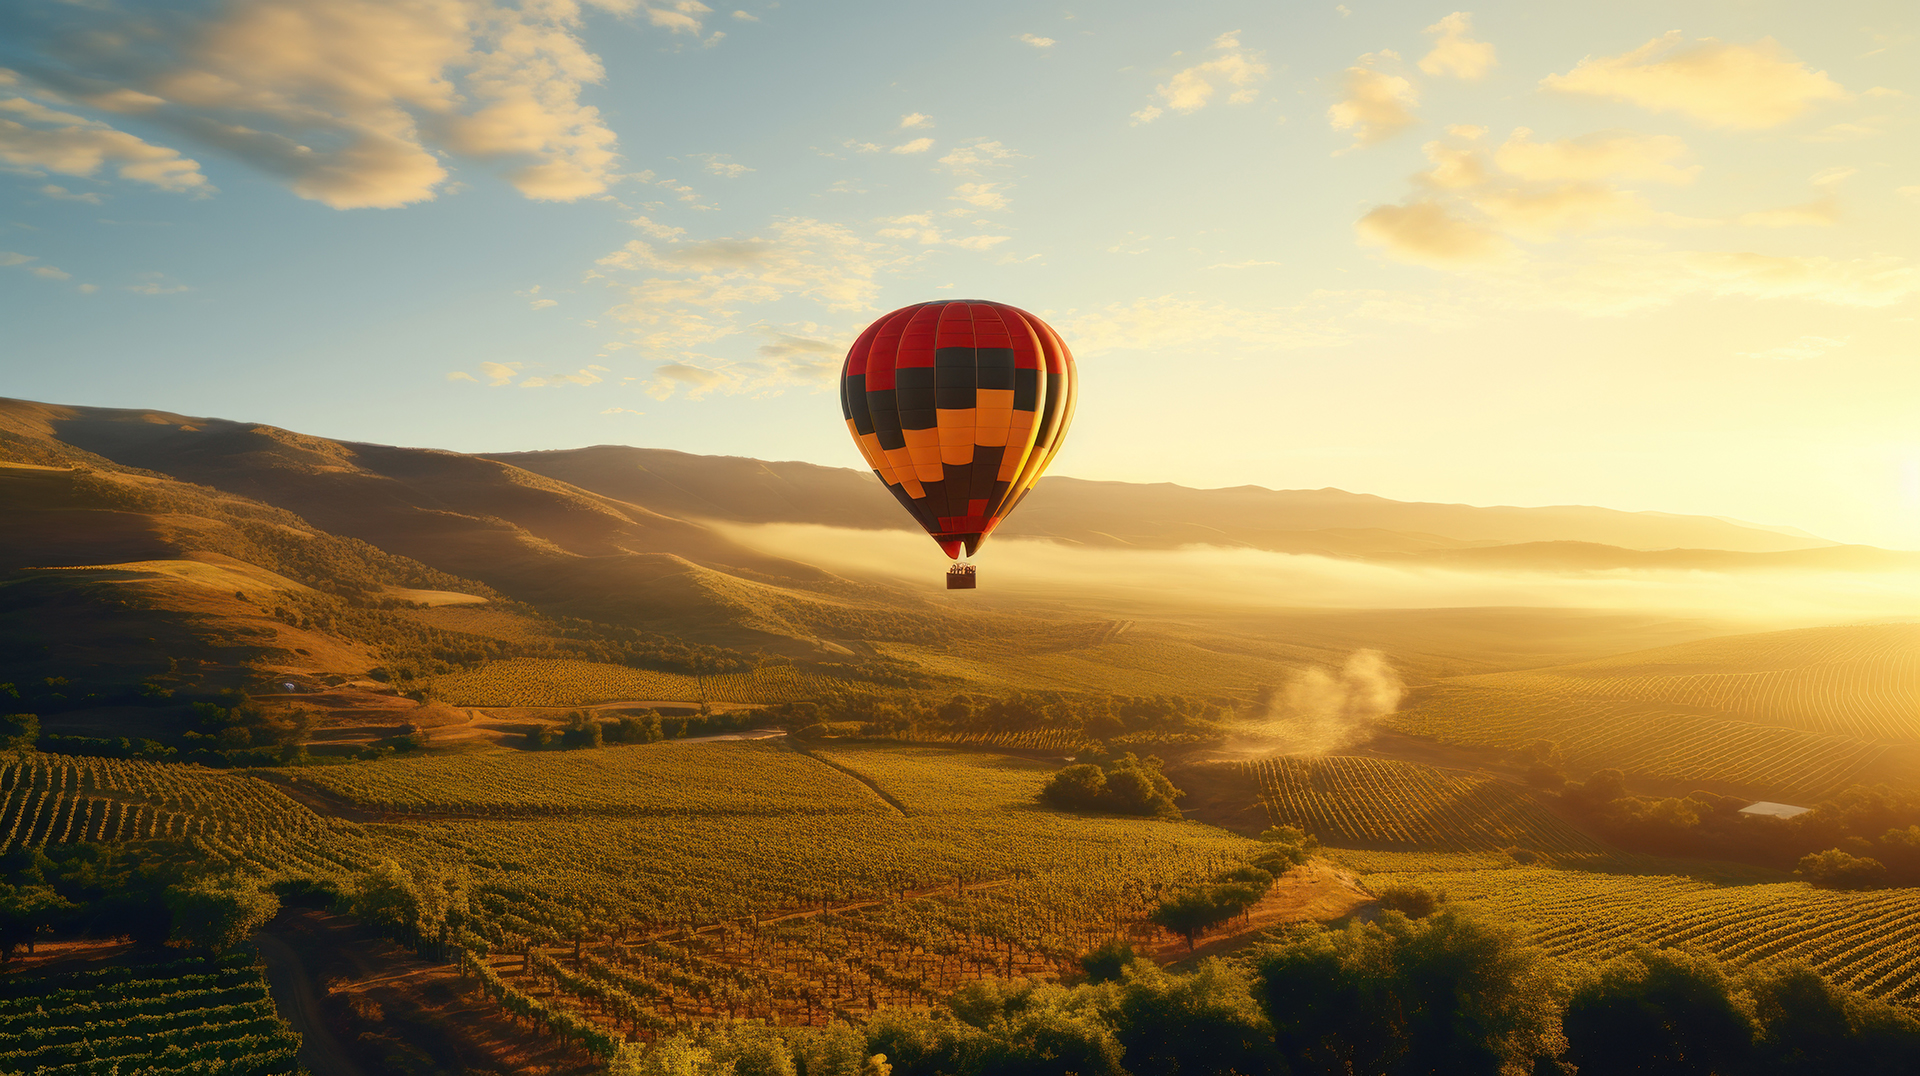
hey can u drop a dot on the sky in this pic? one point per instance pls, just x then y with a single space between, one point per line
1650 256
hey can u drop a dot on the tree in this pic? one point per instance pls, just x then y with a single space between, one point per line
1810 1028
1835 869
1105 963
1206 1022
217 914
26 912
1189 913
388 900
1445 995
1657 1010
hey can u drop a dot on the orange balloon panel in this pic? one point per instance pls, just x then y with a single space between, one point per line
958 406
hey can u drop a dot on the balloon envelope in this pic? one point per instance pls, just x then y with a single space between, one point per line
958 406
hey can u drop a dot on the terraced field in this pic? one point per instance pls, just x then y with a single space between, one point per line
1347 801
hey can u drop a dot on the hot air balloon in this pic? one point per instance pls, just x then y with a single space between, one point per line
958 406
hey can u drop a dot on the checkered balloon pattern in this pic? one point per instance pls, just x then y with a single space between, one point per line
958 406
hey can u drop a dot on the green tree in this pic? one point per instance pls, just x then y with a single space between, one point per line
1836 869
1206 1022
1657 1010
27 912
217 914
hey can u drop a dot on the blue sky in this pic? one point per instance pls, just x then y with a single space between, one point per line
1650 256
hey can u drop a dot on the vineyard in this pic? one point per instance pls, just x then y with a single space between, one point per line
1642 738
1868 941
1859 682
1378 802
565 682
686 779
187 1016
231 819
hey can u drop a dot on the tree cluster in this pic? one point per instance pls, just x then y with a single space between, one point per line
151 891
1126 785
1192 912
1861 838
1396 997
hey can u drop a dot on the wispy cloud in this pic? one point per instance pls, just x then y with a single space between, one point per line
42 140
1374 105
1035 40
1718 83
354 103
1238 69
1454 52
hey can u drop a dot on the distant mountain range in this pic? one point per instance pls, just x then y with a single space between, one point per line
211 518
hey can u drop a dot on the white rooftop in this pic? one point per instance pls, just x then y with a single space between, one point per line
1774 810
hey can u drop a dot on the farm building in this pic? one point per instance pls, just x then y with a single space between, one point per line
1774 810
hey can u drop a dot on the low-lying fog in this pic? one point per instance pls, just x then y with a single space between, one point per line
1246 579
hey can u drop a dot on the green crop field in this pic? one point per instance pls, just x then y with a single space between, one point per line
565 682
1868 941
187 1016
1380 802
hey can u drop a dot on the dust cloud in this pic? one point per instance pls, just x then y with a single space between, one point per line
1321 710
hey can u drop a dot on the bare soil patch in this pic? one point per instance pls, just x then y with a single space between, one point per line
389 1010
1318 892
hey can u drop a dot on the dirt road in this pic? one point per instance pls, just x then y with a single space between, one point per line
320 1053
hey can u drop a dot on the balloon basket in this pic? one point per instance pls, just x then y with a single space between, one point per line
961 577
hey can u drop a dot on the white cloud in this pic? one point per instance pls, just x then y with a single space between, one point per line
979 242
153 287
1600 155
693 294
72 145
500 373
54 190
460 375
913 120
743 17
1425 232
1376 105
986 196
680 16
722 165
358 103
542 304
1807 347
1912 191
918 145
1035 40
1456 54
1190 89
629 410
657 230
1725 85
969 159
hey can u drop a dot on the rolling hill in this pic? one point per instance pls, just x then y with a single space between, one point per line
1793 713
